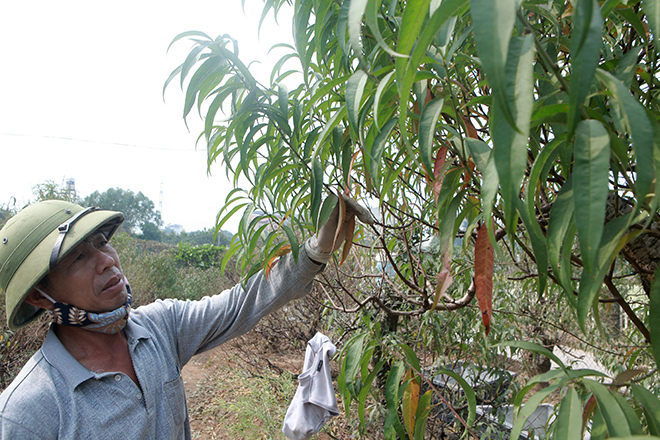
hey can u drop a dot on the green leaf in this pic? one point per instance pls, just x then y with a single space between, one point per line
625 70
631 416
610 409
422 414
328 127
411 24
611 244
188 34
207 70
392 421
585 53
411 357
326 209
470 395
228 215
384 84
342 25
245 75
221 95
650 405
428 119
407 69
539 242
652 10
354 91
316 189
293 240
510 144
537 176
443 14
493 25
528 408
641 131
371 12
536 348
355 12
192 59
637 437
366 388
654 316
352 356
590 183
598 425
375 152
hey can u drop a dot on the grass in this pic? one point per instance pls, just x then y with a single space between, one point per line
258 403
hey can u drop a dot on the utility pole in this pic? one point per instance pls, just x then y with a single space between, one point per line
71 188
160 200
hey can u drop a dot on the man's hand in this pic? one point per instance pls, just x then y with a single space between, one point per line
337 229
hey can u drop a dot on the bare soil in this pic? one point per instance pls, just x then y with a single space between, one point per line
216 379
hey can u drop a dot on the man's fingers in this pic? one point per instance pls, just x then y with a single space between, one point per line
362 213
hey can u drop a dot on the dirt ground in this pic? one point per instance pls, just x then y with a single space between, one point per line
219 380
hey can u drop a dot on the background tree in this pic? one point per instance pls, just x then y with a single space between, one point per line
205 236
50 190
506 131
140 214
7 211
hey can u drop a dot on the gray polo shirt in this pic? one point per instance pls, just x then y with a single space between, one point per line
55 397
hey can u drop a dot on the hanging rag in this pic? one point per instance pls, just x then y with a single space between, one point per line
314 402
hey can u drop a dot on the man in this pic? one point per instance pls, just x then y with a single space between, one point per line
106 371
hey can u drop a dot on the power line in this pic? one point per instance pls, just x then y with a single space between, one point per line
96 142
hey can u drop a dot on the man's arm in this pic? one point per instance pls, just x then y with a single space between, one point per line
211 321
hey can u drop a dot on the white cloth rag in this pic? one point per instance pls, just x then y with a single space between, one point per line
314 402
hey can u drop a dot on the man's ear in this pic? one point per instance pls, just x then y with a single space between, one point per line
36 299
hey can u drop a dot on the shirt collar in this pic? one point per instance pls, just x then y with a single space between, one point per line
73 372
60 359
134 332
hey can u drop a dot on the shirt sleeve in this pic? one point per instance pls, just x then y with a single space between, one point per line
10 429
197 326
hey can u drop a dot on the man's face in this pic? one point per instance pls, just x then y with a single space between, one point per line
89 277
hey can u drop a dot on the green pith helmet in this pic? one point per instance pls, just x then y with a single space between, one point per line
35 240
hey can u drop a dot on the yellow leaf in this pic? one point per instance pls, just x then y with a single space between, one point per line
410 401
280 252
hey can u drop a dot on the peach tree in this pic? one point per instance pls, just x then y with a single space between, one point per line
476 132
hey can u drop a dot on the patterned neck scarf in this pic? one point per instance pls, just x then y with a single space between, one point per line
108 322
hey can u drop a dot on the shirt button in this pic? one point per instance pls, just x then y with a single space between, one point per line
139 396
118 377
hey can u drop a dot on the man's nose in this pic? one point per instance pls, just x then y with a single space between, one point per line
103 260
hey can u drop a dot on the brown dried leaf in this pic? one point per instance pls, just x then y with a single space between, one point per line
469 127
440 158
445 278
589 408
483 274
341 218
348 241
623 378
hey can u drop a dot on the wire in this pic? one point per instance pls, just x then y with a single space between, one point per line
98 142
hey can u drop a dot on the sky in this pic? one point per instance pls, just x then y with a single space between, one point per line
81 97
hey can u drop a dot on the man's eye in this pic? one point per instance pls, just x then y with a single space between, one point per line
79 257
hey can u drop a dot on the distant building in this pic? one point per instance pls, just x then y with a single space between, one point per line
177 229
